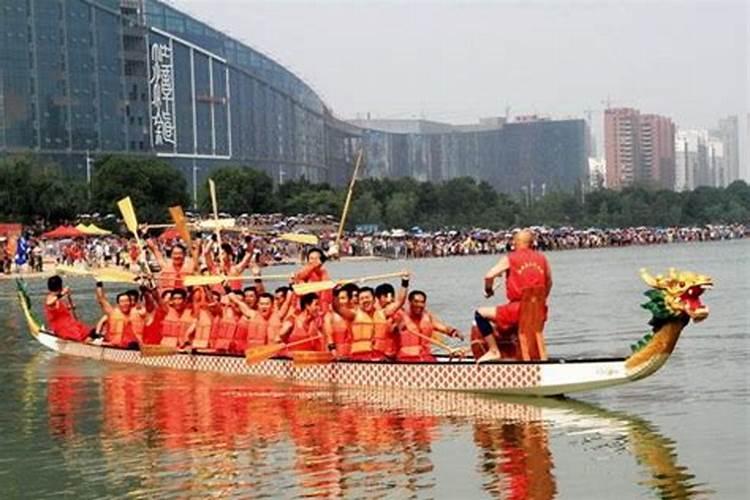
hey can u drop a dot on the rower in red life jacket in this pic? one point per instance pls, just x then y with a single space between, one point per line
152 330
207 310
337 329
370 324
265 326
314 272
124 322
59 312
178 326
225 327
226 265
523 268
416 329
306 325
385 294
173 270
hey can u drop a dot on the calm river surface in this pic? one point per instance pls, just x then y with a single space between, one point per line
82 429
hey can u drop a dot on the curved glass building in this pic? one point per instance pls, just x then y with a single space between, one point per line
85 78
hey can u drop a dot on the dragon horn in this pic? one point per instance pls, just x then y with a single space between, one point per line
646 276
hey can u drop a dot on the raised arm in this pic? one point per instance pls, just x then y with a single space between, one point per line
443 328
101 298
244 308
157 253
397 304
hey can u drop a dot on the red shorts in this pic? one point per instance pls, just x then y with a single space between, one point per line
507 317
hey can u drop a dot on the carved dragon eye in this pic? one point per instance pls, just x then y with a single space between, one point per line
682 284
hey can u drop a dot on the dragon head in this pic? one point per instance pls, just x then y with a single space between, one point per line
676 294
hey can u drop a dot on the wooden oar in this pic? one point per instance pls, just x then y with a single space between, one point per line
320 286
217 279
347 202
181 224
264 352
215 206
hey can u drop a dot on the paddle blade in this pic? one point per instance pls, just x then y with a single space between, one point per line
128 214
315 287
304 359
150 351
212 190
180 223
204 280
114 275
304 239
262 353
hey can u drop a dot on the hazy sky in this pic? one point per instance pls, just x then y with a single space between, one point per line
456 61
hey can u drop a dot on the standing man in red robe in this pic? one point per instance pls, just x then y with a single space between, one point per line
523 268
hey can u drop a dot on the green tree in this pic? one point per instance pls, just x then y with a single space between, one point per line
365 209
239 190
152 184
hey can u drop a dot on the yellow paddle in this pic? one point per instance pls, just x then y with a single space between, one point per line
264 352
107 275
128 215
320 286
304 239
217 279
348 200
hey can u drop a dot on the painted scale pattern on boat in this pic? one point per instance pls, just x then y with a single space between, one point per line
464 376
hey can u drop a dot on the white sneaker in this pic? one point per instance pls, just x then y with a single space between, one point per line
489 356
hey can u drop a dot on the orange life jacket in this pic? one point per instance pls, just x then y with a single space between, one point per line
175 326
222 332
257 333
203 328
170 278
367 331
119 329
413 347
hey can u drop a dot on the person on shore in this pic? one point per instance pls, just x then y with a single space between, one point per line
523 268
417 327
59 312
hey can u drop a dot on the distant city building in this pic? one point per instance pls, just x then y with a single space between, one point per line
638 149
139 77
529 156
692 166
727 133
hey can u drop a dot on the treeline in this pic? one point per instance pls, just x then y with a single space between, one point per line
33 191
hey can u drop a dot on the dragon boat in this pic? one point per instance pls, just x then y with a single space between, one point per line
673 299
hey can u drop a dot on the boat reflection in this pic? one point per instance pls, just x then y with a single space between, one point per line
187 434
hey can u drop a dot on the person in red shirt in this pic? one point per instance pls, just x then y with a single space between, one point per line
59 312
522 268
313 272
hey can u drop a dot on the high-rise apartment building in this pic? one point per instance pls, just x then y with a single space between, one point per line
639 148
728 134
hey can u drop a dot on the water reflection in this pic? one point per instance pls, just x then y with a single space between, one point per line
185 434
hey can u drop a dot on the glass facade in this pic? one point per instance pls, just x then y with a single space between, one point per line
140 77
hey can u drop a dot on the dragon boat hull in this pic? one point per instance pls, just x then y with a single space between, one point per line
535 378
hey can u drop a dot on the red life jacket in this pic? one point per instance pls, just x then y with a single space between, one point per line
203 328
305 328
257 332
120 328
152 331
241 333
413 347
528 268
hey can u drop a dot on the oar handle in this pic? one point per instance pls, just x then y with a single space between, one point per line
438 343
302 341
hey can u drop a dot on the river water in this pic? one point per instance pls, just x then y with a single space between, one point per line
84 429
